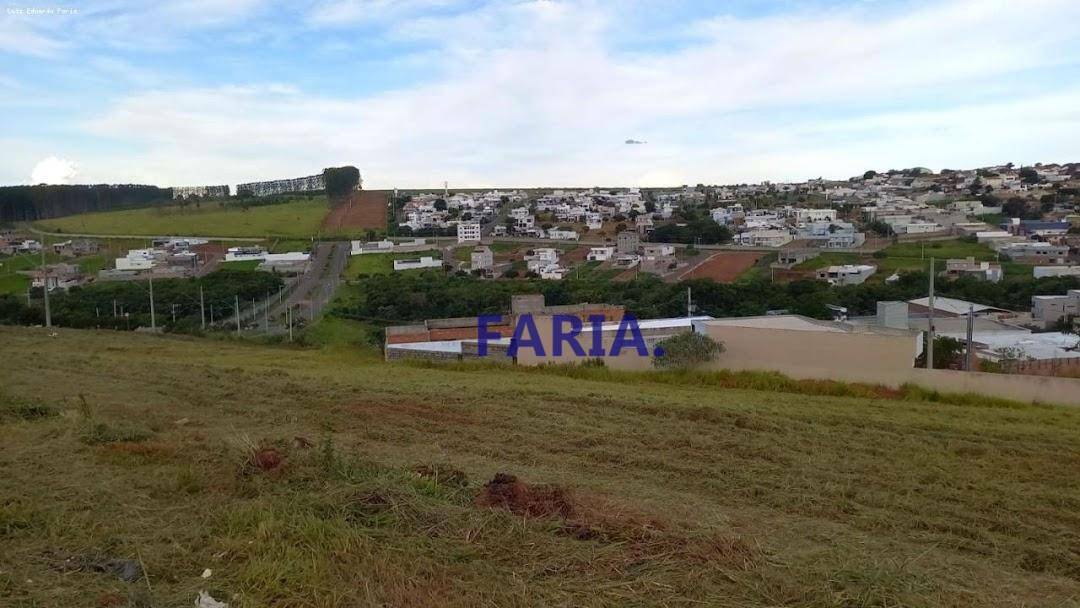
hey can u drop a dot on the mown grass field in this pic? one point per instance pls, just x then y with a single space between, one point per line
297 218
328 478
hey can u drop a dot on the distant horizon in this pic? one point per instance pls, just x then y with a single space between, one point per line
572 92
451 187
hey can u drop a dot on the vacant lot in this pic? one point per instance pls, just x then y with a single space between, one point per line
913 257
382 263
295 218
324 478
724 266
360 212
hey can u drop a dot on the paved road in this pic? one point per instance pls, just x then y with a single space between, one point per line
316 287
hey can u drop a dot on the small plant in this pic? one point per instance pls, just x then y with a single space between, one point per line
327 454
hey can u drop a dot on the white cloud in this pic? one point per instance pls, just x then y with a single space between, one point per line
53 170
536 93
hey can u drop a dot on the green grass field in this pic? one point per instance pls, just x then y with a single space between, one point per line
380 263
325 478
296 218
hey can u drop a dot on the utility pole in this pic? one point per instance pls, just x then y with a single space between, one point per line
288 319
969 360
202 308
689 304
236 303
173 308
45 285
153 321
266 314
930 324
114 308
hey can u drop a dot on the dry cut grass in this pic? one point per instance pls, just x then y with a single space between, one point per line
323 478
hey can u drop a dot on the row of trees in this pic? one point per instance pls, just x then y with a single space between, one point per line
403 297
94 305
31 203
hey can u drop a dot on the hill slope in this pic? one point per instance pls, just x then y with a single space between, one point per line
294 218
184 455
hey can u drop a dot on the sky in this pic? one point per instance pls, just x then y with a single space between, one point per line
532 92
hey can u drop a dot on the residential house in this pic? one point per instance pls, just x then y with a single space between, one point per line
846 274
763 238
989 271
600 254
1034 252
1049 311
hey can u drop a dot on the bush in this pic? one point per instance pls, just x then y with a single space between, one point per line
686 351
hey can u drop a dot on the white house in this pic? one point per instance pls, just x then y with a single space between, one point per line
763 238
137 259
806 216
542 257
600 254
562 235
847 274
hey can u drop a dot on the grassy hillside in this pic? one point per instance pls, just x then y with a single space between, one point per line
327 478
294 218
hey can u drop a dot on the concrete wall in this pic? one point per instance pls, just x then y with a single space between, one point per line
873 359
813 354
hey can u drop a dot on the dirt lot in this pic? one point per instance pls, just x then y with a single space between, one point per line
724 266
361 211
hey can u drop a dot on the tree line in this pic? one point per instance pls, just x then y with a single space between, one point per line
32 203
93 305
415 296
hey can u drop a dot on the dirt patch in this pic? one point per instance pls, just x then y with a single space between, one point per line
723 266
267 459
359 211
508 492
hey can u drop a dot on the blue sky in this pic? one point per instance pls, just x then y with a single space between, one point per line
532 93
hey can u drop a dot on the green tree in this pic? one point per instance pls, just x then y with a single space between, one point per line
340 181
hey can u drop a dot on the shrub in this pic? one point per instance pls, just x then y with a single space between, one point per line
686 351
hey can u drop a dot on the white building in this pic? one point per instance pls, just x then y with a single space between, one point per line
1049 310
139 259
847 274
417 263
541 258
806 216
763 238
557 234
600 254
468 232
